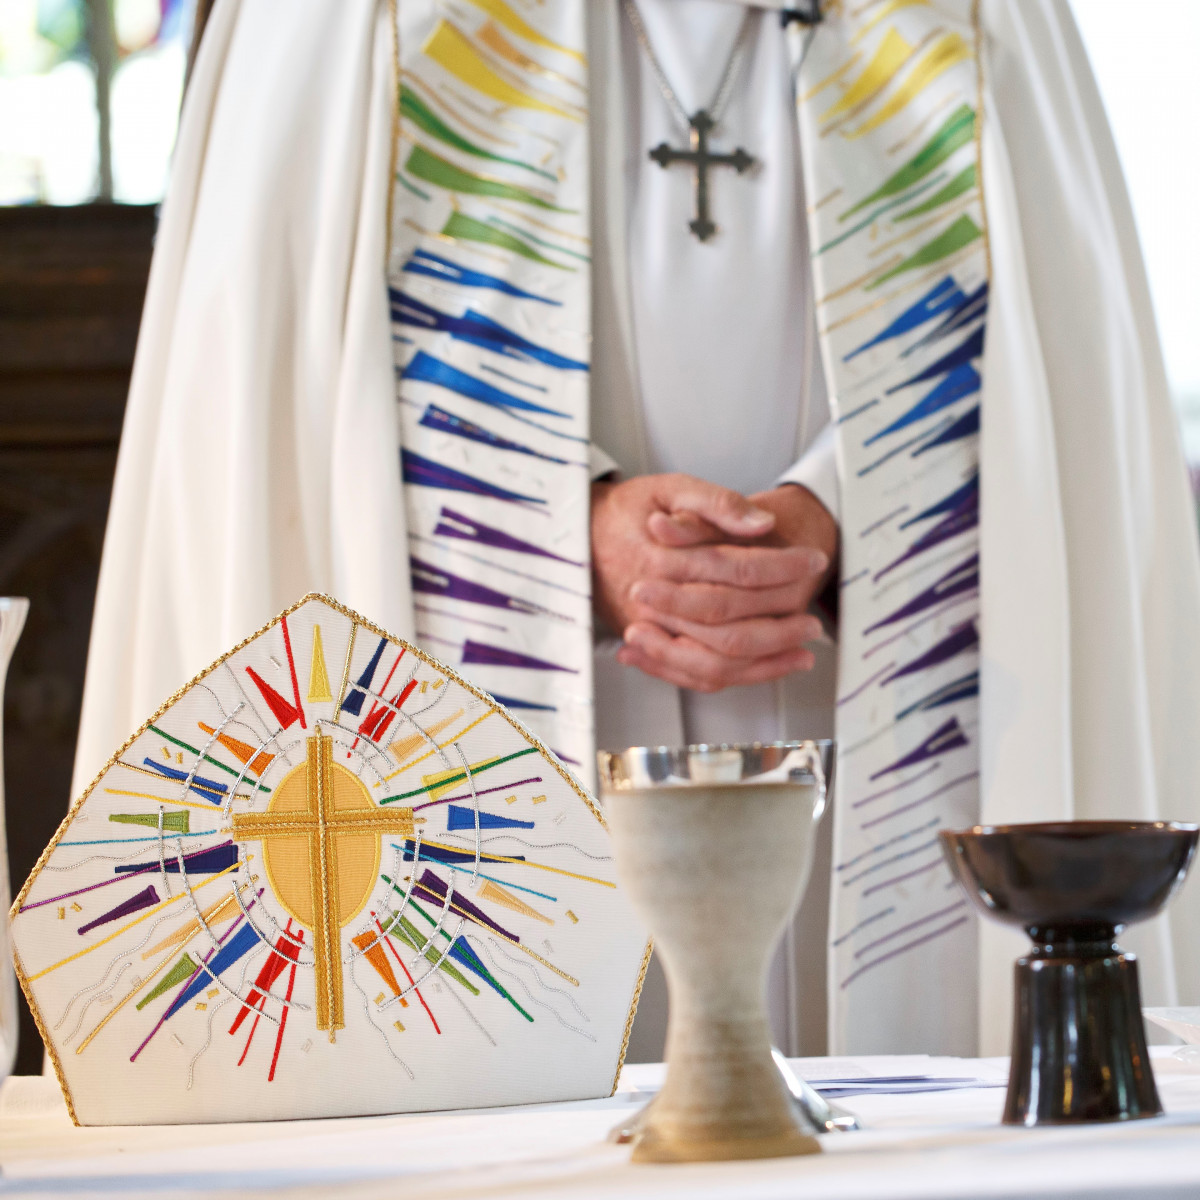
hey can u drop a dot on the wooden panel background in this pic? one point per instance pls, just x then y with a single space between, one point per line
72 282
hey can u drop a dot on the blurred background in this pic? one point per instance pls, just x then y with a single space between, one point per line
89 101
89 95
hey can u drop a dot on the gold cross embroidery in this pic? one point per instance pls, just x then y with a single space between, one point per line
321 840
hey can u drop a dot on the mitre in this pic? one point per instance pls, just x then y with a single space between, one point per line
328 877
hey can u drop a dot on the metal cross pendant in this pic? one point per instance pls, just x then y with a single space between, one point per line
702 158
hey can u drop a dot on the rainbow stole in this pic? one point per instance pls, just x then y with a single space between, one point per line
887 103
489 283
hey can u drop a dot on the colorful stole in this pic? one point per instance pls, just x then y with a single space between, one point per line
489 284
888 101
490 296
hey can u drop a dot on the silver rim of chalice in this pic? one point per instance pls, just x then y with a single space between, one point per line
639 768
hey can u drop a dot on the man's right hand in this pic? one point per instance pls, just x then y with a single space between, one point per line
732 582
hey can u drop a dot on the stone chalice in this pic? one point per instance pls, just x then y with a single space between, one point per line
1079 1045
713 845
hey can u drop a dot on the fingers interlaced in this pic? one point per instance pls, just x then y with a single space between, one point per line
740 566
682 529
686 662
755 638
710 606
716 603
726 509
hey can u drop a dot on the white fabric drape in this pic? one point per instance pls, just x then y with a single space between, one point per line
1091 577
258 459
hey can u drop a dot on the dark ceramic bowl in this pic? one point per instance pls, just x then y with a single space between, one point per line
1079 1046
1072 875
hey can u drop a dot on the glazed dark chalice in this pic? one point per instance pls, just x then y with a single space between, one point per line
1079 1046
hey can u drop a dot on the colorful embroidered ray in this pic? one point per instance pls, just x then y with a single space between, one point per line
957 131
961 382
446 422
961 234
504 15
454 524
939 58
421 115
478 330
462 227
889 58
943 296
424 368
452 50
438 267
427 473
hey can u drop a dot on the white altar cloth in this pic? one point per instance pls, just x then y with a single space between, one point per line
932 1146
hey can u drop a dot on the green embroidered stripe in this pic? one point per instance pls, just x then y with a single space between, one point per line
408 933
175 822
185 968
871 218
957 131
468 229
421 115
465 947
540 241
964 181
228 770
962 233
428 166
459 777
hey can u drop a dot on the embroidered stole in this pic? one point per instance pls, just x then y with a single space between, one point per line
489 286
490 296
887 101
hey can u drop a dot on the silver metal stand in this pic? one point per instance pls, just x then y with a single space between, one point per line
831 1118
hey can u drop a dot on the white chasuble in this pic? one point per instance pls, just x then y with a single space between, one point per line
260 457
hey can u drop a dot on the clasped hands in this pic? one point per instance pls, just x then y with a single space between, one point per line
709 588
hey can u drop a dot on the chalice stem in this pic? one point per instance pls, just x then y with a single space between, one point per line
724 1096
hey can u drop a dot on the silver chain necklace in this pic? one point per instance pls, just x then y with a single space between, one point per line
701 123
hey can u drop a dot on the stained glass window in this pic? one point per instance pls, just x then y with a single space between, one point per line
89 98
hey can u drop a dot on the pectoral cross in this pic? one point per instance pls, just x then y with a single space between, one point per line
700 157
321 845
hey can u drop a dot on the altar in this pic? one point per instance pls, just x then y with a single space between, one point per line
935 1145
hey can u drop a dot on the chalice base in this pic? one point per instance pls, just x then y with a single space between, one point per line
812 1108
651 1146
1079 1044
719 1106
